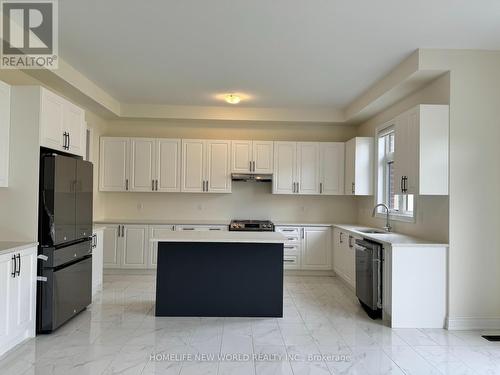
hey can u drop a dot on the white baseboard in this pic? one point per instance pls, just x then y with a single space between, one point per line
470 323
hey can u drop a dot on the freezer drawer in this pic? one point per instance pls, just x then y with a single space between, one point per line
66 292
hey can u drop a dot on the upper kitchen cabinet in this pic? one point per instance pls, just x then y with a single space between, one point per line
331 173
62 124
206 166
252 157
421 147
308 168
359 166
4 133
139 164
114 164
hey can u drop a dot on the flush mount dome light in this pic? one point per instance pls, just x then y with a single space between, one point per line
232 98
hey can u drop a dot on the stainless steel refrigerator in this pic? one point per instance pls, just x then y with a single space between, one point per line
65 245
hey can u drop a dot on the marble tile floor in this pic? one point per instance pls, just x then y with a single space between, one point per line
324 331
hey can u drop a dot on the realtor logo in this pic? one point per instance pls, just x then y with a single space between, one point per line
29 34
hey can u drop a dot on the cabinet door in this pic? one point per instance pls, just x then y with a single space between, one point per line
74 124
111 240
285 155
218 172
241 156
350 158
97 262
308 167
6 279
142 164
338 238
401 151
412 159
168 165
51 120
332 168
193 166
263 156
350 259
24 288
317 249
134 251
157 231
4 133
114 164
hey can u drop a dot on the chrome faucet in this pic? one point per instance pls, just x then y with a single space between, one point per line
387 227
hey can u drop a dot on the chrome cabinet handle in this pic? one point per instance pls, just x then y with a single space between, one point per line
289 260
126 184
250 166
350 239
321 188
340 240
19 264
187 228
14 266
156 185
152 185
254 166
352 188
69 140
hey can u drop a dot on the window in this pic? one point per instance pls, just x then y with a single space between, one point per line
400 206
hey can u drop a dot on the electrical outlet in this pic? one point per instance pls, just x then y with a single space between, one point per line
140 206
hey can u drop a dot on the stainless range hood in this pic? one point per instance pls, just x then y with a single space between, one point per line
252 177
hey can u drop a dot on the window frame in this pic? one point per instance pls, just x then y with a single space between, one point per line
381 183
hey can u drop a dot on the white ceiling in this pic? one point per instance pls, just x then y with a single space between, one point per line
283 53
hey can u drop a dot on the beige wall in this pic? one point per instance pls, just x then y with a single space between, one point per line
474 257
431 211
248 200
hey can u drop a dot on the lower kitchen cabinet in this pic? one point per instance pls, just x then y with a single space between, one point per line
344 256
126 246
317 248
156 231
307 248
97 260
18 295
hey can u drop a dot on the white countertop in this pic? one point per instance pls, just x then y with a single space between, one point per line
162 222
10 246
393 239
234 237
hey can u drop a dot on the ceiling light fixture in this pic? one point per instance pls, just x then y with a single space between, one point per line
232 98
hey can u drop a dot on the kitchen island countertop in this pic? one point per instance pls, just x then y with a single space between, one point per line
222 236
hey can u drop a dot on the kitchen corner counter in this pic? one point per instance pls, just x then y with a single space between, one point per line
10 246
161 222
301 224
393 239
231 237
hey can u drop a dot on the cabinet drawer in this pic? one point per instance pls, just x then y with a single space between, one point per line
289 231
291 249
291 262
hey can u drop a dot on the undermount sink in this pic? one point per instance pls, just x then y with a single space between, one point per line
371 231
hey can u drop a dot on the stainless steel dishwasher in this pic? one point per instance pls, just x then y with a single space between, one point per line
369 276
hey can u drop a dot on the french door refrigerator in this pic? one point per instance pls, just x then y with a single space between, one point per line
65 231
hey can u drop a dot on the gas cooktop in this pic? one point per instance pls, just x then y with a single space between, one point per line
251 226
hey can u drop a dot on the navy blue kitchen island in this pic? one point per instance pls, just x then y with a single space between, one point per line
223 274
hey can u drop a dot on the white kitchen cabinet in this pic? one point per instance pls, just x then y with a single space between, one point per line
142 164
4 133
307 247
217 173
205 166
421 146
344 256
111 251
193 166
252 157
168 165
114 164
359 166
97 260
126 246
157 231
317 248
331 172
203 228
285 169
308 168
134 246
18 295
62 124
